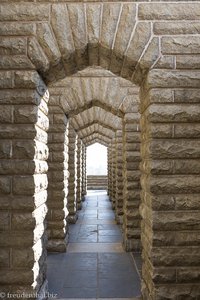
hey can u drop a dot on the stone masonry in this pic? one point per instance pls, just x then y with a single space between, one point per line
79 174
57 179
72 195
85 72
119 177
131 183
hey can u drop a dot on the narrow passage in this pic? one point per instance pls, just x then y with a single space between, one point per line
95 265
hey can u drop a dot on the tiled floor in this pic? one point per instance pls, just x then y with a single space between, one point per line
95 265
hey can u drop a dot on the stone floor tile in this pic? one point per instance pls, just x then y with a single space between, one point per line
83 279
94 247
110 239
79 292
117 287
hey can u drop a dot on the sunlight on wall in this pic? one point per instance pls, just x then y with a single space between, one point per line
96 159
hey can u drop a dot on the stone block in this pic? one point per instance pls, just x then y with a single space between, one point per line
24 12
176 221
12 46
25 114
37 55
187 202
23 149
5 185
186 95
28 185
177 291
23 258
180 45
4 220
165 78
187 238
16 239
165 62
19 97
62 29
56 245
159 130
23 221
5 149
164 275
15 62
188 62
173 184
173 113
135 49
48 43
176 256
16 277
17 28
6 79
174 148
169 11
176 28
4 257
26 79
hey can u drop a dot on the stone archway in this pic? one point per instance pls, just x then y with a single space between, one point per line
170 118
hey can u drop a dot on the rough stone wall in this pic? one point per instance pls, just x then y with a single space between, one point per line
23 181
57 179
72 194
131 190
170 184
119 177
79 174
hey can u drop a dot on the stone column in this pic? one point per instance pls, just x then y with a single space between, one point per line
23 182
113 171
170 185
58 179
131 183
109 170
72 199
84 171
79 174
119 177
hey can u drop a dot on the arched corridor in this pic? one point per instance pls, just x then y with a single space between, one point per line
95 259
124 74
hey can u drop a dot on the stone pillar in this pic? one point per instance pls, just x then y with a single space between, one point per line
119 177
72 199
109 170
84 172
170 185
131 183
79 174
58 180
23 182
113 171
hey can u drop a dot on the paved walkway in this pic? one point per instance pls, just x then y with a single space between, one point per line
95 265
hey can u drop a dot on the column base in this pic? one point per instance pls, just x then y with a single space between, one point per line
71 219
83 197
57 245
79 206
131 245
